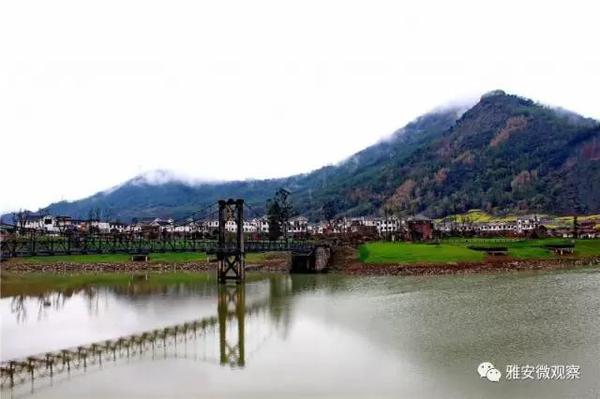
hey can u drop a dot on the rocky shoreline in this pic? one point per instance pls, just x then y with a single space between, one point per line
271 265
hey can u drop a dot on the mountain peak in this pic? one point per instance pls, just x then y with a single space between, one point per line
493 93
157 177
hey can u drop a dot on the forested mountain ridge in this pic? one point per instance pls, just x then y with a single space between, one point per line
504 154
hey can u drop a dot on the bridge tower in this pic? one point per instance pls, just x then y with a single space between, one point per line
230 253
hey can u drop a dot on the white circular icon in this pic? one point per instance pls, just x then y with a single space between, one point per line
494 375
484 368
487 370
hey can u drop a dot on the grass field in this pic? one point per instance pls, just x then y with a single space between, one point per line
457 250
410 253
587 247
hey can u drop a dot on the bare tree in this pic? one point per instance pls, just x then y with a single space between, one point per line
61 223
20 218
93 216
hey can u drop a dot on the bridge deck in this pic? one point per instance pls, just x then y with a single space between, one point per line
50 246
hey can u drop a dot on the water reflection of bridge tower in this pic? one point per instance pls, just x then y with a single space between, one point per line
232 300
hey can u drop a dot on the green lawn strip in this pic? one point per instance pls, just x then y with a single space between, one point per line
457 250
587 247
414 253
257 257
528 252
178 257
517 248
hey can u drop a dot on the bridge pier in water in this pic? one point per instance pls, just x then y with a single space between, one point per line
231 256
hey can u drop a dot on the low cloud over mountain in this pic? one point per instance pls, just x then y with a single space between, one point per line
503 154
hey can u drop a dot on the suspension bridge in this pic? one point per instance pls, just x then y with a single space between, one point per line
229 247
232 307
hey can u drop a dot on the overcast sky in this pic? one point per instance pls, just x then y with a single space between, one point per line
95 92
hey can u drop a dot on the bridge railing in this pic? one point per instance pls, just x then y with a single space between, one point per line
106 244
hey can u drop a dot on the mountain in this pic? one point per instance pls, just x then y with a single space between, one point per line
504 154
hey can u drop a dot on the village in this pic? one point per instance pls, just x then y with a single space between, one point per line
392 228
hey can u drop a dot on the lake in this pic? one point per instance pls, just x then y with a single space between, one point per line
329 336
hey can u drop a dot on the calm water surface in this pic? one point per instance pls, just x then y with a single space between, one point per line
323 336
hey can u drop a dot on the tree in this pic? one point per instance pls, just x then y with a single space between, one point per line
61 223
279 212
20 219
93 216
330 209
274 219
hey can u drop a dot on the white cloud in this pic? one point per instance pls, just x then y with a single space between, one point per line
92 94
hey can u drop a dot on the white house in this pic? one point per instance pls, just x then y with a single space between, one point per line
103 227
388 225
211 225
162 224
230 226
262 225
249 226
316 228
498 227
47 223
527 224
297 225
116 227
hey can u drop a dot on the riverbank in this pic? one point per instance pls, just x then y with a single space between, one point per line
39 276
268 262
347 261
